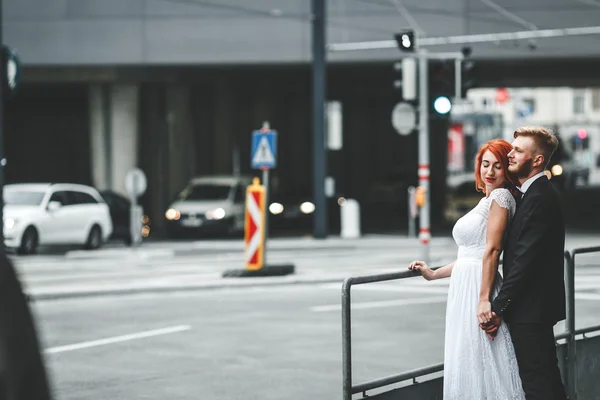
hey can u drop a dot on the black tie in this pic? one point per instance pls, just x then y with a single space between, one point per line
520 196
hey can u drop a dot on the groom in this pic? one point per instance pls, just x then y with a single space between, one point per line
532 297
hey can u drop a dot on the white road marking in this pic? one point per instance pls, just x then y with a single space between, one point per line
117 339
379 304
587 296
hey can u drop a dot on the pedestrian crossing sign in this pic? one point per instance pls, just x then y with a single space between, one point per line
264 149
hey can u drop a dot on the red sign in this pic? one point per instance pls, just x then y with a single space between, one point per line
456 148
502 95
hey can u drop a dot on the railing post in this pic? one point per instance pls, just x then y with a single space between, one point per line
346 341
570 324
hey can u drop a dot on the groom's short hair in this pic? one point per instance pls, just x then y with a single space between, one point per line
545 140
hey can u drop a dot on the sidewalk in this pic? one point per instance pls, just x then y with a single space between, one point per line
171 249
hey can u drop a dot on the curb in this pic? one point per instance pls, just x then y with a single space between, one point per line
172 252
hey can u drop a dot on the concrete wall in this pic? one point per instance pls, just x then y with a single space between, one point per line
117 32
154 32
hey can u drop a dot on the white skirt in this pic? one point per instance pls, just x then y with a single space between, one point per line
475 367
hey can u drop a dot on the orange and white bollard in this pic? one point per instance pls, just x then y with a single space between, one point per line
254 231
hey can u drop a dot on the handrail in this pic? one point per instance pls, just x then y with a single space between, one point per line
570 323
588 329
415 373
347 387
569 333
389 380
584 250
389 276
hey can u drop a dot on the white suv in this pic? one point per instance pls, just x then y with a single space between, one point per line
48 214
210 204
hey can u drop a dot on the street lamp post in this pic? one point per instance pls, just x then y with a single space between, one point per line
319 86
2 159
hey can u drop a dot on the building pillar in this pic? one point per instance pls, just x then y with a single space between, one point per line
99 131
124 133
224 109
182 154
114 131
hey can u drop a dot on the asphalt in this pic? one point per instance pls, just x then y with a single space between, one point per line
278 342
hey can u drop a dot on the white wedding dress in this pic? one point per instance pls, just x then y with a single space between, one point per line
476 368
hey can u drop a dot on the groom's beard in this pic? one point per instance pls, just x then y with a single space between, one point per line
525 170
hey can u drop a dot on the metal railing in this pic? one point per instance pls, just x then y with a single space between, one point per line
571 381
348 389
568 335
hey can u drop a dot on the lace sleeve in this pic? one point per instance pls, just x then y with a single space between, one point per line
504 199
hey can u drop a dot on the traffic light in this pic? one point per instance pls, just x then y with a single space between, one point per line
468 73
580 140
405 41
468 78
405 78
12 74
441 87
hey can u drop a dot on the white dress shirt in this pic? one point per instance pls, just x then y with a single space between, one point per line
529 181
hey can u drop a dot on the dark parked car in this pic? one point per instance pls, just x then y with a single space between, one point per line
119 207
294 214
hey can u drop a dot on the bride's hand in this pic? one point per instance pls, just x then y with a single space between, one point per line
423 268
484 311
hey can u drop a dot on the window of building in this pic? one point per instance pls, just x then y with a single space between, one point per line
526 107
596 99
578 102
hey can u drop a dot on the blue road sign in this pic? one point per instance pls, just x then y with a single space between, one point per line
264 149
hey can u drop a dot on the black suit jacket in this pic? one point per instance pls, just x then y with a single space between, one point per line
533 290
22 372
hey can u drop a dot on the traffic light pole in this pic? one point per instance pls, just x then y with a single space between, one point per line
423 170
423 161
470 39
319 86
2 159
457 78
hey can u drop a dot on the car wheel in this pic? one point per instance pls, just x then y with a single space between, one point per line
29 241
94 240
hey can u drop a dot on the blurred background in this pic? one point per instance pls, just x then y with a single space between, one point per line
176 87
166 94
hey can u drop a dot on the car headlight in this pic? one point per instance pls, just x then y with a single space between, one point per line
307 207
276 208
219 213
172 214
10 223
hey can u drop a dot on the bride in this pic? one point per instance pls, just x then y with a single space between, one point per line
477 365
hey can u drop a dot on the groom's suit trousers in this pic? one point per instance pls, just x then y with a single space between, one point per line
536 357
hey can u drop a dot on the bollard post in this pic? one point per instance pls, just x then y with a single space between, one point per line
350 219
412 212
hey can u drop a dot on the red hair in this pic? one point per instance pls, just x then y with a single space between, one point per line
500 149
